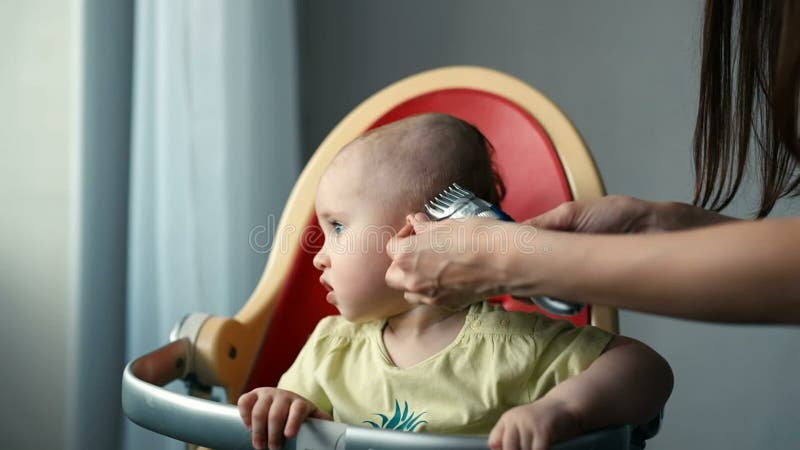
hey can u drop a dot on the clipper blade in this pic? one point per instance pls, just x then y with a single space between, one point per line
455 202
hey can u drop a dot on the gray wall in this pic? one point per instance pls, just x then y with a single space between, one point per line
626 73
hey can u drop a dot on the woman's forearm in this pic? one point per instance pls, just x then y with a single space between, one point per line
676 216
744 271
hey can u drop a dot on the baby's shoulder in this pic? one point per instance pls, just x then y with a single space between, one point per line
492 318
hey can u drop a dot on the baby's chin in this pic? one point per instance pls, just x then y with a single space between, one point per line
350 315
356 318
368 316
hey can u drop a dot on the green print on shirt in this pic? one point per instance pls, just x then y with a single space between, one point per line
400 421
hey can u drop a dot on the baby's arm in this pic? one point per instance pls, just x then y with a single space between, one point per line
627 384
273 413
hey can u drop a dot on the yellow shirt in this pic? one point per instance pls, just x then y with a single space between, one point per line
499 360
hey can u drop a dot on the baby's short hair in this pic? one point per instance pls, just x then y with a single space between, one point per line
428 152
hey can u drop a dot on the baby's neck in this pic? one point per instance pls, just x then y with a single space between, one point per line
420 333
423 319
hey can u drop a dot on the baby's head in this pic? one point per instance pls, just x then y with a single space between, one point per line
373 184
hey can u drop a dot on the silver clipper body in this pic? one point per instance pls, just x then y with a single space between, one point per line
456 202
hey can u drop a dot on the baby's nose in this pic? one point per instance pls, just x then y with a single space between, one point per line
321 260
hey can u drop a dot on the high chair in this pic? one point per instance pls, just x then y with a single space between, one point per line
542 160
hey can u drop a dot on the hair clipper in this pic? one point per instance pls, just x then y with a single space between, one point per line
456 202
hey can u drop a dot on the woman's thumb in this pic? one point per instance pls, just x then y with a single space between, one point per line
419 221
560 218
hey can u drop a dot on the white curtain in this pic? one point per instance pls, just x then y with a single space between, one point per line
214 154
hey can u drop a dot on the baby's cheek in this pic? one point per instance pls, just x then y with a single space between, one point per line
372 276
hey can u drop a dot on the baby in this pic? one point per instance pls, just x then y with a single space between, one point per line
524 379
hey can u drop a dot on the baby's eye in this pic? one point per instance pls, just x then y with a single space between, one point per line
338 227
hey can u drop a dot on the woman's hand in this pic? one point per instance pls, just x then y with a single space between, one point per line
454 263
621 214
535 426
272 413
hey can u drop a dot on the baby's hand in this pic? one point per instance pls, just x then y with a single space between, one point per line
273 413
534 426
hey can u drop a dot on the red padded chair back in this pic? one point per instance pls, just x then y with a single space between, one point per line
531 170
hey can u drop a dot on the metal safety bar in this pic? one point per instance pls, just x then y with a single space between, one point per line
219 426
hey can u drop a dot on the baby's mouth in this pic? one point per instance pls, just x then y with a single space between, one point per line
331 297
324 284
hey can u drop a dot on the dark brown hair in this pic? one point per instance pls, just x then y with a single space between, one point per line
749 84
483 177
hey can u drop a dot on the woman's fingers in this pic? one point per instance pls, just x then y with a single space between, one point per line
563 217
415 223
402 242
413 297
408 249
441 259
420 222
395 276
610 214
406 231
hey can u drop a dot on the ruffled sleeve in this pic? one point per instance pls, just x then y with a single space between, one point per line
300 378
561 351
